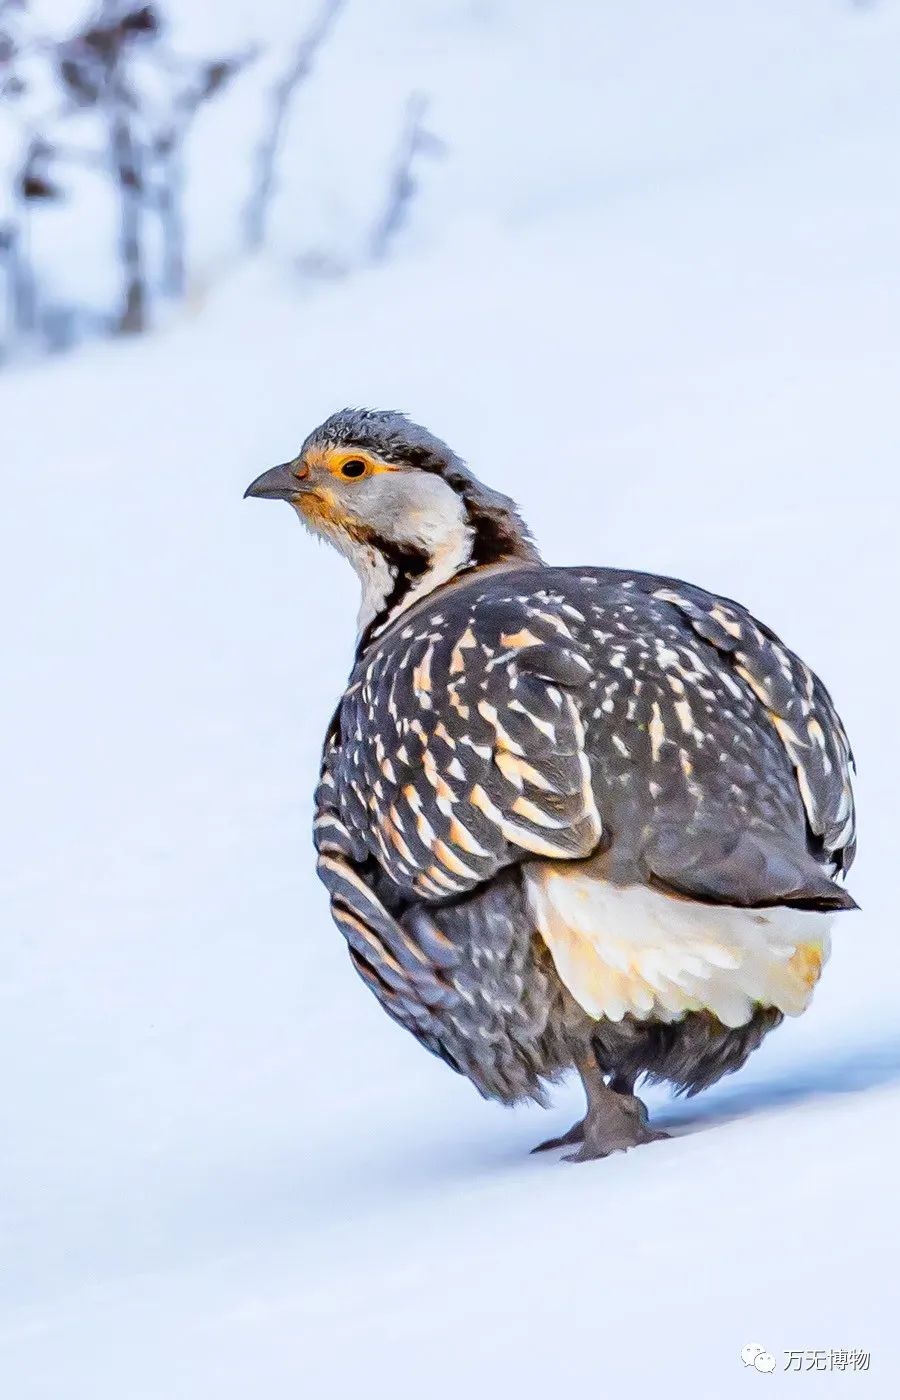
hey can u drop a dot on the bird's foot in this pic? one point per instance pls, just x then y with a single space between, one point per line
575 1134
615 1125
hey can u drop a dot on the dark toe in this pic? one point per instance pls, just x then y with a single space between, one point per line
575 1134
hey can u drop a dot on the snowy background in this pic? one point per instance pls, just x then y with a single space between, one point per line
653 291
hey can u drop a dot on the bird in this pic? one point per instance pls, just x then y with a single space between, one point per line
567 817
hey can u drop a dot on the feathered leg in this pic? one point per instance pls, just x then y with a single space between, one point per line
615 1119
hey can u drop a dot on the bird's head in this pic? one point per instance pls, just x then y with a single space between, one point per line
400 505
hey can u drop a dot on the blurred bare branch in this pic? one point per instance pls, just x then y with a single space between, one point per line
112 100
259 202
202 82
415 141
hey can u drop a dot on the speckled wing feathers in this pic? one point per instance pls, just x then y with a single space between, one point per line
406 968
796 704
463 746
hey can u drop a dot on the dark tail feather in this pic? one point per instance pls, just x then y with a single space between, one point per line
754 869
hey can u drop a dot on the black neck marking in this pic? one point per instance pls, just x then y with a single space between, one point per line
494 538
407 566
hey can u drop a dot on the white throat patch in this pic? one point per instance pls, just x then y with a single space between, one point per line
415 514
439 530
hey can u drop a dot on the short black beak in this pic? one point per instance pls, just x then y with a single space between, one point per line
278 484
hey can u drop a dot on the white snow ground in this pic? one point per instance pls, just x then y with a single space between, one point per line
653 293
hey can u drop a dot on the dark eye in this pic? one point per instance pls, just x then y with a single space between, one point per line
355 466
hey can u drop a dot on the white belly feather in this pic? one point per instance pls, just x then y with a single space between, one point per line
636 950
